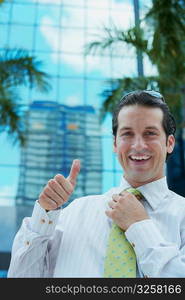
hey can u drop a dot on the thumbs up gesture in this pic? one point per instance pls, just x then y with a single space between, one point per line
59 189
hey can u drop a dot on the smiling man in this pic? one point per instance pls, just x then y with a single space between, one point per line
134 230
142 143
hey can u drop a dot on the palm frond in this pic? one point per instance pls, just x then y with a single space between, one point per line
17 67
112 36
11 120
118 87
167 18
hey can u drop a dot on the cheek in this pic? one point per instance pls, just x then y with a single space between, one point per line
121 146
122 151
160 149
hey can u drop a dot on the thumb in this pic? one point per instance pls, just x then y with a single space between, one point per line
75 169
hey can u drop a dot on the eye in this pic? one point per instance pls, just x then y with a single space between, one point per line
150 133
127 133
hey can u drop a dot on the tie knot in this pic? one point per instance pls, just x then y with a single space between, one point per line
135 192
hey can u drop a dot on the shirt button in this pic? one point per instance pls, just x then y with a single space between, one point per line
42 221
50 222
27 243
133 245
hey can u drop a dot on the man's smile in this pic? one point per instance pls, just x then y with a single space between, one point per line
139 160
139 157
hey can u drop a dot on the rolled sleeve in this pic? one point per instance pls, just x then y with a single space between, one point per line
43 222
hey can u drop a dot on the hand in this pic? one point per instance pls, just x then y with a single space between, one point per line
59 189
126 209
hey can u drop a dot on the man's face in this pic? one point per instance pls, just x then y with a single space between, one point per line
141 144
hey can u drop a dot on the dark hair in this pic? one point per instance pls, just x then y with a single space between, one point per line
149 99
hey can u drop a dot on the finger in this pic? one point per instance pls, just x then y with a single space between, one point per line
47 203
115 197
54 185
75 169
125 193
122 193
112 204
65 185
128 194
53 196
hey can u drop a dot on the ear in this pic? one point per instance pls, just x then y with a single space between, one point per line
170 143
114 145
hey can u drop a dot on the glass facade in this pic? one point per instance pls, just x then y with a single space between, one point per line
56 135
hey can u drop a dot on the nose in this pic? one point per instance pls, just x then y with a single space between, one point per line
138 143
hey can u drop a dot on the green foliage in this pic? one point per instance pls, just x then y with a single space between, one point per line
18 68
114 91
10 116
160 37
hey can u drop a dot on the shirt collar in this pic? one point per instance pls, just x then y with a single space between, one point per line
154 192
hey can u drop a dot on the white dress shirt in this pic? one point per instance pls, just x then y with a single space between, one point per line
71 242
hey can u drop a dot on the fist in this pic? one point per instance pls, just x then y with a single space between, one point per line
126 209
59 189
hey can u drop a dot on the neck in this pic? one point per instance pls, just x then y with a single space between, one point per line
136 184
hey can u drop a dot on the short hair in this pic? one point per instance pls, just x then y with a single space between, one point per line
146 98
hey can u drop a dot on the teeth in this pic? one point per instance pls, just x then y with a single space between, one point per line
139 157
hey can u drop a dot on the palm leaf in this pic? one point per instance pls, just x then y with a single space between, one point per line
118 87
18 68
112 36
11 120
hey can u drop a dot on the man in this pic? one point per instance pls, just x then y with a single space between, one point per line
72 242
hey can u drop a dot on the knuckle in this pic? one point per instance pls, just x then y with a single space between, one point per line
47 189
115 196
123 193
58 176
51 182
42 197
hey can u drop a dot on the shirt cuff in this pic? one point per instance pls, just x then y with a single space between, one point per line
43 222
144 235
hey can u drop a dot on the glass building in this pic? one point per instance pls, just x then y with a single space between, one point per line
56 134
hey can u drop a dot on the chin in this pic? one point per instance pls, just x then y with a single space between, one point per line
139 177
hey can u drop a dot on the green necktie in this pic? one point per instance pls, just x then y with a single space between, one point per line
120 259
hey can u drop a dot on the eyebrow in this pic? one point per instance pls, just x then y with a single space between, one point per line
152 127
125 128
130 128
